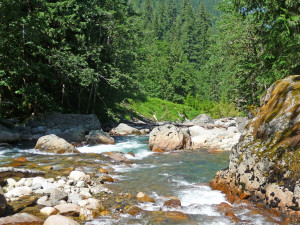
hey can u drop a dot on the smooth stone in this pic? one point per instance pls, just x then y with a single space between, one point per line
41 200
48 211
78 175
11 182
18 191
60 220
68 209
57 195
22 219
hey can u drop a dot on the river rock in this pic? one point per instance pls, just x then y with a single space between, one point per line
21 218
116 156
58 195
74 198
48 211
142 197
18 191
99 137
173 203
133 210
169 137
53 143
68 209
265 166
79 176
123 129
59 220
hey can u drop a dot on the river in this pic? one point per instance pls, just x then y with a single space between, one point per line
184 174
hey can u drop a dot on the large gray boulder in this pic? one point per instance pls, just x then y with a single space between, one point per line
8 136
123 129
53 143
99 137
169 137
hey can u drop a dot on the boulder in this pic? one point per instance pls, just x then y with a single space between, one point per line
53 143
99 137
116 156
169 137
265 166
202 119
21 218
123 129
58 220
8 136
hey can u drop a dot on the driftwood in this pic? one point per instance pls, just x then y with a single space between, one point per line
7 172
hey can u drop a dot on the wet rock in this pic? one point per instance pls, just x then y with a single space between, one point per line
133 210
116 156
173 203
107 179
102 170
232 216
142 197
105 213
21 159
79 176
68 209
58 219
123 129
224 207
169 138
48 211
53 143
99 137
174 215
21 218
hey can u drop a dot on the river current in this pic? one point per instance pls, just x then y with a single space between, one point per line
184 174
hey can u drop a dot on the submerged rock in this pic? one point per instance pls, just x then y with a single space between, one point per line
169 137
116 156
142 197
53 143
123 129
265 165
99 137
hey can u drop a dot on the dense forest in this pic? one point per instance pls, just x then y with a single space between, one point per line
94 56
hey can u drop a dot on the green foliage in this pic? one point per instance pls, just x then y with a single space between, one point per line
162 109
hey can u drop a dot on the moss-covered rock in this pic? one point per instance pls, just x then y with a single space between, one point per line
265 165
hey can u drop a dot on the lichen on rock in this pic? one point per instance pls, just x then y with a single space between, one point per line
265 165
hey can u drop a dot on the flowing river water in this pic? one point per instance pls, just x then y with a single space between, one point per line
184 174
